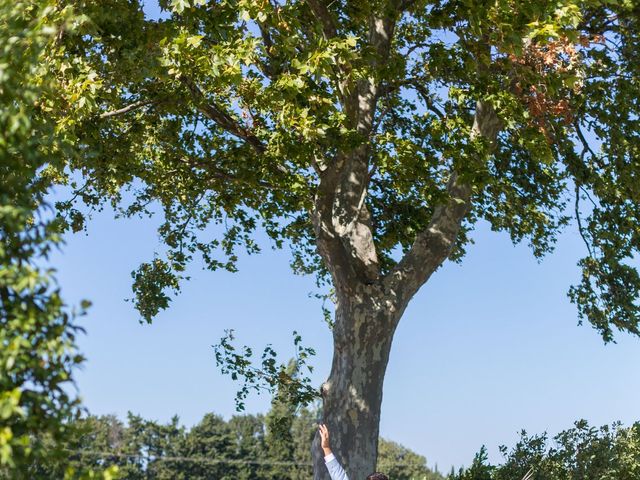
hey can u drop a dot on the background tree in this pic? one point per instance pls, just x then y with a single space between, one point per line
102 440
279 441
480 469
304 428
165 441
582 452
144 449
399 462
211 439
214 448
37 330
250 444
369 137
280 436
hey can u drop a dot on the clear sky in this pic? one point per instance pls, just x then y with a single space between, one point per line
485 349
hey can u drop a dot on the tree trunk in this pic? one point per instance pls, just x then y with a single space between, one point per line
352 396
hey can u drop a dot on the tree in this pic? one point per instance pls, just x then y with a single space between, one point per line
163 442
400 463
212 439
304 427
369 137
582 452
250 445
214 448
479 469
37 330
279 437
285 427
102 440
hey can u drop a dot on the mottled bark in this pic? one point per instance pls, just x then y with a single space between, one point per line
369 306
434 244
366 319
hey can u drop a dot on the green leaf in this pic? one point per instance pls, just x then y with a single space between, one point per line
178 6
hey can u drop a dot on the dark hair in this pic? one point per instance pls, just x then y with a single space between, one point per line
377 476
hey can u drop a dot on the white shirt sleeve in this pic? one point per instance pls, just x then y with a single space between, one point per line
336 472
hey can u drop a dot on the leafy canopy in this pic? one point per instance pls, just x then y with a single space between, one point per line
244 447
227 115
586 452
37 331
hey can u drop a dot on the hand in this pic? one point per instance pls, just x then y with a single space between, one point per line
324 439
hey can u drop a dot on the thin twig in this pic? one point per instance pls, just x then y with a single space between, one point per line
585 144
128 108
580 228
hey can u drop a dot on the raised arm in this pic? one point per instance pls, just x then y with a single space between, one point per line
336 472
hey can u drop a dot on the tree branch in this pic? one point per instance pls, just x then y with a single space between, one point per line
585 145
424 94
222 118
322 13
128 108
341 220
580 227
219 174
433 245
407 4
268 67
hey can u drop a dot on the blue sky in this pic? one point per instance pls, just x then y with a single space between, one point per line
485 349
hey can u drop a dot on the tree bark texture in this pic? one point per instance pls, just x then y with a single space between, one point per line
369 306
352 396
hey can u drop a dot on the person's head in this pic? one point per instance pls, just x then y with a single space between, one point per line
377 476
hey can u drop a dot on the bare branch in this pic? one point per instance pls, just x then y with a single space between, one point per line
222 118
585 145
128 108
580 227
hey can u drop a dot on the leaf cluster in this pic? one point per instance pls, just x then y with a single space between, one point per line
225 117
582 452
244 447
38 331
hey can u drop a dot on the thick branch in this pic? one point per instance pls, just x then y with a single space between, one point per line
364 100
329 244
342 220
433 245
353 181
322 13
